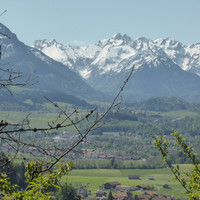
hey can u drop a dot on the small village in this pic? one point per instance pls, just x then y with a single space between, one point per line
89 147
115 191
99 100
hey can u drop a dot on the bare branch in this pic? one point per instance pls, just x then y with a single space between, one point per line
11 133
3 12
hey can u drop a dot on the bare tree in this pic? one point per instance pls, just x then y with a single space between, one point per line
12 133
40 174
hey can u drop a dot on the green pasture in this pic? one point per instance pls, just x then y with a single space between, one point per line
179 114
94 178
39 119
49 113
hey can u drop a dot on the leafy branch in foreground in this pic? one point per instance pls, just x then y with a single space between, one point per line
41 175
190 181
38 183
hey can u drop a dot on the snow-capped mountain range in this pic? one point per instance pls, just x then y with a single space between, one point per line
163 67
109 54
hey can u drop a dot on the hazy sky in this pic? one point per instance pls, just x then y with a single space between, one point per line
88 21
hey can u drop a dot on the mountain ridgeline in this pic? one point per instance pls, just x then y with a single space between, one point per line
163 67
49 75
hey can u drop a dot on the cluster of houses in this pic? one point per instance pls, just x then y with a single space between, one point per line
104 155
116 186
89 153
93 153
115 191
151 195
84 153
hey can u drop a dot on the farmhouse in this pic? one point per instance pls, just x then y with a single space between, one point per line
165 186
142 197
120 196
143 187
123 188
111 185
162 197
151 178
150 193
133 177
100 194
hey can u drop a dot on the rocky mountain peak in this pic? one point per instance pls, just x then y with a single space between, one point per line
117 36
169 43
109 54
5 32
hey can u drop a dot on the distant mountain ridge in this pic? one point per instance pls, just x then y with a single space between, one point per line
187 57
119 48
51 75
164 67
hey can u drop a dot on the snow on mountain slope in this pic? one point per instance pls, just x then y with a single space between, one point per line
107 55
112 54
187 57
174 49
158 66
104 56
59 52
192 62
65 53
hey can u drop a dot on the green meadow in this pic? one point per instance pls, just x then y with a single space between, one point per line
95 178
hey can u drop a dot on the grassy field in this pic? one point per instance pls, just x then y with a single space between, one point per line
37 119
179 114
94 178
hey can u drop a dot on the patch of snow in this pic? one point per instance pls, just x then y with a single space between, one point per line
185 65
54 53
85 73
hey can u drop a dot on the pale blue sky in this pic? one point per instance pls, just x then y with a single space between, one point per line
89 21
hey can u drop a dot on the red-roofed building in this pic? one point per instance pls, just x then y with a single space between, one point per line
120 196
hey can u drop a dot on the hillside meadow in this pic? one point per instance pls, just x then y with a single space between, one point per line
93 179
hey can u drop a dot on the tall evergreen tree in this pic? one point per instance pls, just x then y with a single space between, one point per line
110 197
